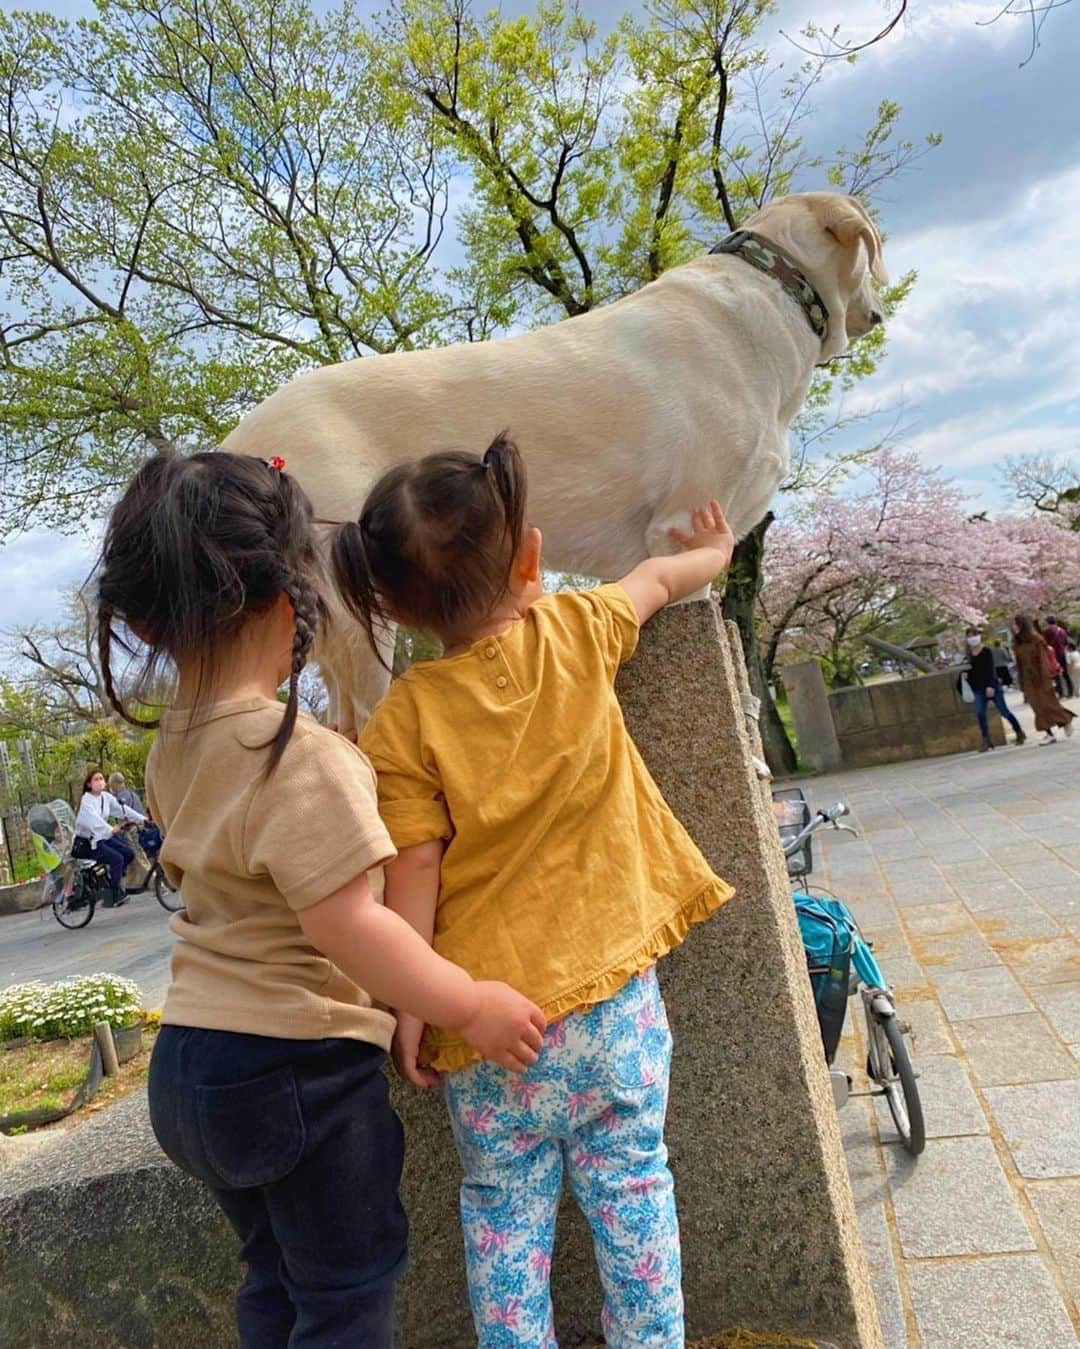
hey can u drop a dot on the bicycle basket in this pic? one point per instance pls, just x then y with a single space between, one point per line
792 813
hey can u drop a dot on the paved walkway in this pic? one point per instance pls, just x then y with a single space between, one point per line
967 879
134 941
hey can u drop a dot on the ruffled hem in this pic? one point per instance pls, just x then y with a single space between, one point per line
451 1055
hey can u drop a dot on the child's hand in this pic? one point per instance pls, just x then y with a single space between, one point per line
505 1026
406 1050
708 529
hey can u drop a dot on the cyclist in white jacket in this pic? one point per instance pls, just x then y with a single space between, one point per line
96 836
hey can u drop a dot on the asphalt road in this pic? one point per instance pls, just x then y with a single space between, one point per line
133 941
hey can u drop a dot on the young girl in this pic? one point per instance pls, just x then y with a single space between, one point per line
96 836
535 847
265 1079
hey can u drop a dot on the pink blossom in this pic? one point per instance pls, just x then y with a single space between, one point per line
507 1314
579 1102
608 1118
647 1017
591 1161
556 1035
526 1092
641 1185
524 1142
480 1120
649 1269
493 1240
541 1263
605 1214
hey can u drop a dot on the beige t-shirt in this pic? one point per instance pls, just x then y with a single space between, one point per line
248 852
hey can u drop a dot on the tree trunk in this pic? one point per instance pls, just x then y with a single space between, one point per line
740 600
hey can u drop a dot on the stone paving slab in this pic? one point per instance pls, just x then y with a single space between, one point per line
1005 1303
929 920
967 994
968 950
1055 960
955 1200
1060 1004
1057 1207
1007 1050
1041 1125
950 1107
1004 927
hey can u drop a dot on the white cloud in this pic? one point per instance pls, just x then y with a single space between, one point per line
989 340
35 568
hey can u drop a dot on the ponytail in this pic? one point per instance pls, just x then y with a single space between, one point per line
503 462
356 584
435 542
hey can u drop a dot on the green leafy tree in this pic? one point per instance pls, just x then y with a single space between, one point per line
197 200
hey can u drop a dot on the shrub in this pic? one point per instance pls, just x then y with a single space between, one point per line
68 1008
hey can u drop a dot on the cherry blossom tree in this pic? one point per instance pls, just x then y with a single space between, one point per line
844 566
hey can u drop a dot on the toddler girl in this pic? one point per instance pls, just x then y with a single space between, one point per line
534 846
265 1080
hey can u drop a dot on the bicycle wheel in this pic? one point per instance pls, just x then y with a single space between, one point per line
167 894
890 1066
75 909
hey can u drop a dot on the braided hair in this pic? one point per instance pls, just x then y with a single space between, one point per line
196 547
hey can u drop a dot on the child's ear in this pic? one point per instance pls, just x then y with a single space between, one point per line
528 562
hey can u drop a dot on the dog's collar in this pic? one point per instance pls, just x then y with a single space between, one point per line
769 258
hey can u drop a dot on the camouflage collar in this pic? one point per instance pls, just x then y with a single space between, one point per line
767 257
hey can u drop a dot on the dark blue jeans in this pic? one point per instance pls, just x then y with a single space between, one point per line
300 1146
981 704
114 852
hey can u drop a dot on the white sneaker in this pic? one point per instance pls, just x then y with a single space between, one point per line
1048 739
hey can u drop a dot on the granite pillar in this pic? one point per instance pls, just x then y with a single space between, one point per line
809 700
770 1239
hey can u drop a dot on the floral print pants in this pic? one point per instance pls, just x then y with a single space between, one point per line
594 1105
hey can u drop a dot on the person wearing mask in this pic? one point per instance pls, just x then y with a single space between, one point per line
1033 670
96 836
984 683
1058 641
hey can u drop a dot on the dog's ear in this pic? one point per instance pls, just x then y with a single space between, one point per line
848 221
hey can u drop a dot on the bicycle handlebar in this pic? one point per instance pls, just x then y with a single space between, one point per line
819 818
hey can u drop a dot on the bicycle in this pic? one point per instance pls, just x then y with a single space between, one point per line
73 887
165 892
840 964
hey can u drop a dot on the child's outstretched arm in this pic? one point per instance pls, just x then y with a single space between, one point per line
380 951
412 890
661 580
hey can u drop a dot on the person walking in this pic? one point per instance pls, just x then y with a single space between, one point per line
1032 654
984 683
1058 640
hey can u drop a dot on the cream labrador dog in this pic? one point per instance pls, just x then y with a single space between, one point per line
627 416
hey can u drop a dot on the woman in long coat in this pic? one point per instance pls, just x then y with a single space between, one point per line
1033 671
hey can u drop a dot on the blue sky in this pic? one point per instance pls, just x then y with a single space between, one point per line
984 358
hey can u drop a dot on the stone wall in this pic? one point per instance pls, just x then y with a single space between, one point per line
906 719
20 898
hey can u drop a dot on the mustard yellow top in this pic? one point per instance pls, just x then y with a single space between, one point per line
565 872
